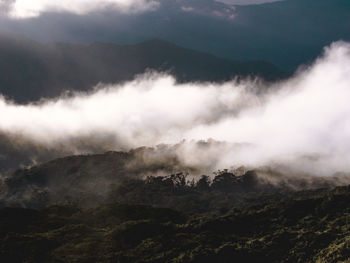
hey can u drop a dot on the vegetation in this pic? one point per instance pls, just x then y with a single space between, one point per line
230 218
128 177
308 229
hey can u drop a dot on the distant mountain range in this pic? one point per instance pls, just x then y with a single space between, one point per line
286 33
30 71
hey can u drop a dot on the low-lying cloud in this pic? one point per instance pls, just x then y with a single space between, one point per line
34 8
302 124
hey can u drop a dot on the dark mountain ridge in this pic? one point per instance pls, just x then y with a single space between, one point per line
31 71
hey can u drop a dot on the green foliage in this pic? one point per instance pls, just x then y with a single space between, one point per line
110 214
313 227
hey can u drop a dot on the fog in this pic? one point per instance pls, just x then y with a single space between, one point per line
301 124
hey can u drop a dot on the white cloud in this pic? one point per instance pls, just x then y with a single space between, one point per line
304 124
187 8
224 12
33 8
246 2
5 6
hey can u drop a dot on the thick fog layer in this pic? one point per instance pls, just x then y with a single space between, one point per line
301 124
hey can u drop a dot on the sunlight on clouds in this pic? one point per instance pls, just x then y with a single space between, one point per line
305 123
33 8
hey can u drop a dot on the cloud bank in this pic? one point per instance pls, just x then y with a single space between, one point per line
34 8
301 124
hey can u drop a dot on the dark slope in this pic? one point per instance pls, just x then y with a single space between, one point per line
129 177
100 208
309 229
86 179
29 70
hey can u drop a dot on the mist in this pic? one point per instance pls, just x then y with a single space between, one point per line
301 124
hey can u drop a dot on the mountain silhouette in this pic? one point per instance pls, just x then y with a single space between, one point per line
30 71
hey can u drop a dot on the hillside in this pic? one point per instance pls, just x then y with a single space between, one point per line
140 177
30 71
306 229
113 208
